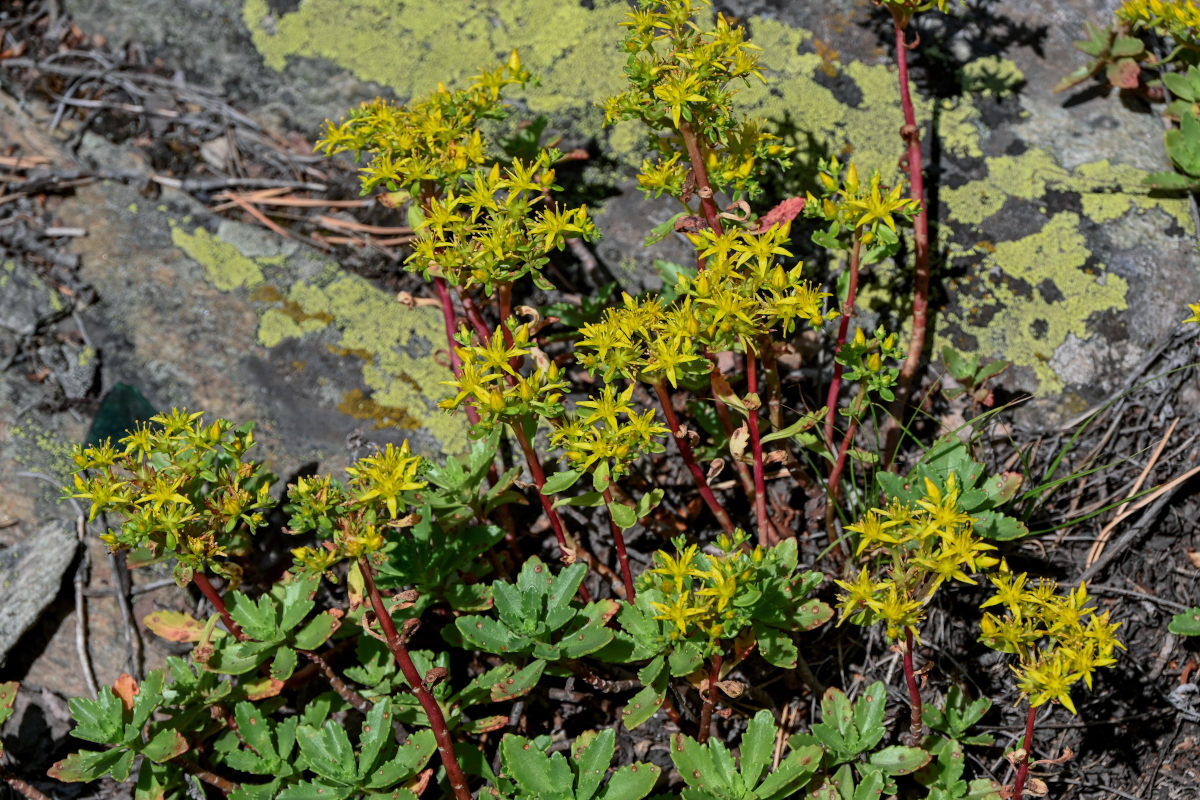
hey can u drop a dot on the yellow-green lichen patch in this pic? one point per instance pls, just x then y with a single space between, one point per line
357 405
1025 176
393 344
35 448
992 75
286 318
1110 191
411 45
1027 328
227 268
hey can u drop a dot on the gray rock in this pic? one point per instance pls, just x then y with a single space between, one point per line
26 301
31 573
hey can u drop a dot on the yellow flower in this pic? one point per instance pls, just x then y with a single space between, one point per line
1195 317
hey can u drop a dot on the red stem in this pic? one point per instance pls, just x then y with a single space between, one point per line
539 479
914 692
476 319
912 136
1023 769
448 317
710 699
619 538
437 720
689 458
20 786
840 465
695 153
760 489
504 300
835 387
206 588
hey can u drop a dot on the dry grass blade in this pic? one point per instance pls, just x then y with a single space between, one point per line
1102 539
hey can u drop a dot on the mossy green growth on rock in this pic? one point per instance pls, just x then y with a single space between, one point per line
395 343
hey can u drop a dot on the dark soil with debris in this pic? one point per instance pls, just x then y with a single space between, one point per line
1124 517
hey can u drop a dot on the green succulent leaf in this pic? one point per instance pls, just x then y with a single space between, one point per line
899 760
1186 623
89 765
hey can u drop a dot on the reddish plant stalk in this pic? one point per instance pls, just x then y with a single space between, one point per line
539 479
1023 768
844 451
835 387
619 538
504 299
710 699
912 138
209 591
476 318
211 778
437 720
448 317
914 691
21 787
765 531
695 151
689 458
335 681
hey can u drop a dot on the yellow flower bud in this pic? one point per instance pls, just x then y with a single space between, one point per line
859 339
852 184
827 181
495 401
875 362
779 279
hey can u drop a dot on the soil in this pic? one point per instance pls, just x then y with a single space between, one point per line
102 293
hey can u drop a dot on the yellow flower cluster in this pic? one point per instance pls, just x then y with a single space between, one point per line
493 381
1178 18
487 233
182 486
608 431
741 294
911 552
1058 640
863 208
703 592
433 139
379 483
679 74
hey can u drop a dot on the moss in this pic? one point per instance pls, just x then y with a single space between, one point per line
1027 328
225 265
